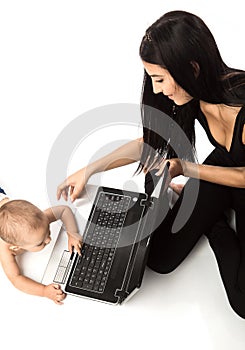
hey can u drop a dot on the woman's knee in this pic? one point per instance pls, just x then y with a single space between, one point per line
161 267
239 308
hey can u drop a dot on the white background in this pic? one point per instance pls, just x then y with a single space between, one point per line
60 59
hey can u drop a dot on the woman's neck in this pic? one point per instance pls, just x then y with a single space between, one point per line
218 111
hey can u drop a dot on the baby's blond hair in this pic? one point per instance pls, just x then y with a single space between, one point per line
17 219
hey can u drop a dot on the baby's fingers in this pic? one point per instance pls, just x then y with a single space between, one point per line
60 296
78 247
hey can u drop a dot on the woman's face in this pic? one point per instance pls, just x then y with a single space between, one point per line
163 82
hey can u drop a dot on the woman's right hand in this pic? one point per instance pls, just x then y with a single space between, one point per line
73 185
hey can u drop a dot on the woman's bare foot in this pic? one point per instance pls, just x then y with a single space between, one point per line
176 187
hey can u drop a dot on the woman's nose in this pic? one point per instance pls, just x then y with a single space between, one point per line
156 89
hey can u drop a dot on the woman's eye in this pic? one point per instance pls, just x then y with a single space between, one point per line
159 81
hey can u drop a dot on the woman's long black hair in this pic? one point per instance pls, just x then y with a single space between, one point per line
182 43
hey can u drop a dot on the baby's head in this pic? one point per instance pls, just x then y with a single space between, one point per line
23 225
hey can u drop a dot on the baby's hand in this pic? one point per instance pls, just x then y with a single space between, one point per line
54 292
74 242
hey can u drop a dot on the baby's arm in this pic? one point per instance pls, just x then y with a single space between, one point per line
25 284
65 214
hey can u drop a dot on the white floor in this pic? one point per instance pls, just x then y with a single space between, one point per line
186 309
59 60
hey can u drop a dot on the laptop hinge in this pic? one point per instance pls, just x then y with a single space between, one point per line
149 203
122 294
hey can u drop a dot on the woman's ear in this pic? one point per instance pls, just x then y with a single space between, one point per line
196 68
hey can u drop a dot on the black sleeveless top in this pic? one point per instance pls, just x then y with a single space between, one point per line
221 157
236 155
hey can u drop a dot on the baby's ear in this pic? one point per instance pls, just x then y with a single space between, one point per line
14 248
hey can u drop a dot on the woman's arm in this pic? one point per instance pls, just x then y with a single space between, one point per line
228 176
126 154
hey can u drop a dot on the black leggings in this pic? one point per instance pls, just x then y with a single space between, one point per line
168 250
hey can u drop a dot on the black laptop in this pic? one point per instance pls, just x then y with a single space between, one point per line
115 245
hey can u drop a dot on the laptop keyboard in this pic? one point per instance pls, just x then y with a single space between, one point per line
101 240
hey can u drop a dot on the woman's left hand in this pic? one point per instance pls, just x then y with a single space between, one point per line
175 167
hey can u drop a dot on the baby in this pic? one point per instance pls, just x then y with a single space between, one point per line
24 227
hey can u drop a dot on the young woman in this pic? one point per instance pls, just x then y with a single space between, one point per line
186 79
